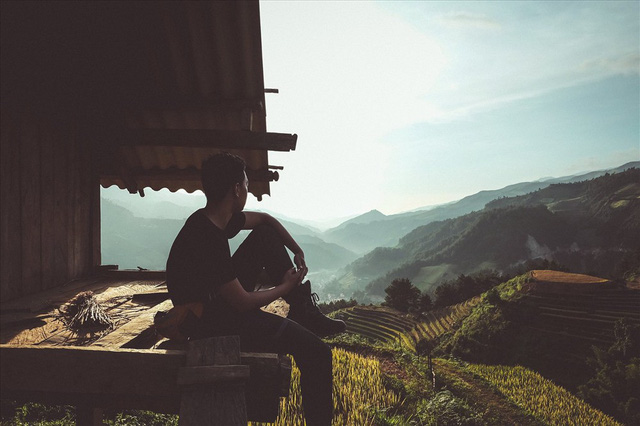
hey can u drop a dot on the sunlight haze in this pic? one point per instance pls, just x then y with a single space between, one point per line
399 105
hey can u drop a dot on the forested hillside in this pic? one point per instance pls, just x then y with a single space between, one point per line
130 241
591 226
373 229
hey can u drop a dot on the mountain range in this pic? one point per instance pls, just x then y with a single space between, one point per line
590 226
373 229
348 257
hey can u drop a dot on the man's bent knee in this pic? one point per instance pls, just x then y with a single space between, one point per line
266 232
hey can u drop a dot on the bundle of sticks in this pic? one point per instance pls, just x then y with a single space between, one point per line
85 311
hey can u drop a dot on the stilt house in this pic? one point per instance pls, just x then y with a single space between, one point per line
134 94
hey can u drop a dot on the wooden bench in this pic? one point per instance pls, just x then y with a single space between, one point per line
198 383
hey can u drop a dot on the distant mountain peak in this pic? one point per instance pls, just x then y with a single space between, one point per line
363 219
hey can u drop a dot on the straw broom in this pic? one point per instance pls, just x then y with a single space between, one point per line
85 311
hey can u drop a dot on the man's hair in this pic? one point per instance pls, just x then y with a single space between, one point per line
219 173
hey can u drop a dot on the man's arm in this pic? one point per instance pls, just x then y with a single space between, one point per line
241 300
254 219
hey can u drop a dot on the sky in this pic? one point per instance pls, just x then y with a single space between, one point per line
401 105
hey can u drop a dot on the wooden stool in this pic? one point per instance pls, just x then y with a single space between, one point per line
221 385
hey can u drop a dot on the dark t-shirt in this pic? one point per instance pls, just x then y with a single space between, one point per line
200 259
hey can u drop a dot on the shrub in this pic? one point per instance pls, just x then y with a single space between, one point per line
446 409
616 380
465 287
332 306
424 303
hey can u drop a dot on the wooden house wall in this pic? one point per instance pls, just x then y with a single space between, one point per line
49 203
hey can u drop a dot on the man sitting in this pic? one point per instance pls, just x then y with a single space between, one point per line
201 269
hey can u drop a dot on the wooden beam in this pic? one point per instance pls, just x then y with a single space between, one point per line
209 138
106 378
132 274
131 330
211 374
187 104
145 379
189 174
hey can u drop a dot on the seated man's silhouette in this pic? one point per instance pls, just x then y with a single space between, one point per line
201 269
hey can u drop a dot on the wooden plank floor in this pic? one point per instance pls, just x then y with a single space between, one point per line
130 299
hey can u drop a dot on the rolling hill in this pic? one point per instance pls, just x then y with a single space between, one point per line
371 230
589 226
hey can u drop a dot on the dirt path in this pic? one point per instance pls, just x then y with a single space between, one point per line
495 407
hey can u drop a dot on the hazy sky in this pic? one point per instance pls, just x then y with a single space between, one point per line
400 105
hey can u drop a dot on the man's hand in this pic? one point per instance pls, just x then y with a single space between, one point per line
298 259
293 278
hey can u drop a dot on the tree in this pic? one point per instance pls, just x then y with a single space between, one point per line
424 302
465 287
616 380
401 295
334 305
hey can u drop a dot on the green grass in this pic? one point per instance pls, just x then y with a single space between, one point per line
433 274
546 401
36 414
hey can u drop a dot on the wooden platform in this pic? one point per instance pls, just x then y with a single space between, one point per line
127 366
130 298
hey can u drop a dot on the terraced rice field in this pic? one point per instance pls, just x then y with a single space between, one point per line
574 312
580 307
588 317
573 309
358 389
388 325
547 402
436 323
379 323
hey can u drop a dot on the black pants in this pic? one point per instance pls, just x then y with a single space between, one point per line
264 253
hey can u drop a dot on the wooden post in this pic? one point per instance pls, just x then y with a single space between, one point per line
433 373
88 416
213 383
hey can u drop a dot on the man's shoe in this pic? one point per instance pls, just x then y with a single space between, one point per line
303 309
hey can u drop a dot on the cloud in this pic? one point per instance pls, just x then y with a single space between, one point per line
628 63
498 53
469 20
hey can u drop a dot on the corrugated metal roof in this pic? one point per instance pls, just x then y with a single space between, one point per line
175 167
145 65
